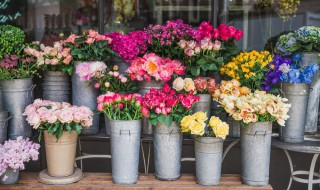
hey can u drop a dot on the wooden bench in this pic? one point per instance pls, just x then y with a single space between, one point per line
146 181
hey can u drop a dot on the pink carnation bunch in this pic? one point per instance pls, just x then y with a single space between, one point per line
153 66
192 47
44 112
129 46
14 153
166 101
89 70
9 61
120 106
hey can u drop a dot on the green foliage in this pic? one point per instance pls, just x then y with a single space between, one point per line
11 40
57 128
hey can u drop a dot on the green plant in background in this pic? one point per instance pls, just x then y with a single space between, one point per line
11 40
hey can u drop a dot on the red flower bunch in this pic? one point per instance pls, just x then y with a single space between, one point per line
165 105
151 65
120 106
205 85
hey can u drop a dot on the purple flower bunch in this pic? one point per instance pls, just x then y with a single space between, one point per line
9 61
14 153
276 68
129 46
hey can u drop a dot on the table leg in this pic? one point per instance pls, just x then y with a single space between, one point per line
229 147
149 153
291 167
311 171
146 164
144 159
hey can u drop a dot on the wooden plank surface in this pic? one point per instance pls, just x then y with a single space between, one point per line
93 181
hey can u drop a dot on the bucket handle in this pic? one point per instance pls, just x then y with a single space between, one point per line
311 89
264 133
30 89
6 120
172 132
125 132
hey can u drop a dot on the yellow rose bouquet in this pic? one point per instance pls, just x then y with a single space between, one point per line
257 107
249 68
195 125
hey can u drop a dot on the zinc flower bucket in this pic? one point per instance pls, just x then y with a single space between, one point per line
167 151
297 95
85 94
208 155
313 100
4 118
60 154
204 105
9 177
56 86
234 127
255 153
17 94
144 87
125 150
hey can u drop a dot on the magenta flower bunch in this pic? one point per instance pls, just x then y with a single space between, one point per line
129 46
14 153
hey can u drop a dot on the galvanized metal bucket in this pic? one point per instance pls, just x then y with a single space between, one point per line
313 100
297 94
4 118
107 125
123 66
145 86
125 150
17 95
204 105
1 99
56 86
208 154
167 151
255 153
11 176
234 127
84 94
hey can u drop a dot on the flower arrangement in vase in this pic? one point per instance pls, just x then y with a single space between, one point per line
209 48
13 155
11 40
249 68
199 85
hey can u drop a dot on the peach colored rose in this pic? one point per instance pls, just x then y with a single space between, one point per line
66 116
189 85
90 40
93 34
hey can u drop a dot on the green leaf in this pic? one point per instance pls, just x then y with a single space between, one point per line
168 120
77 127
153 121
212 67
161 118
68 128
195 71
202 61
153 115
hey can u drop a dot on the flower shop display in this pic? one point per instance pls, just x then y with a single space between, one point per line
208 145
209 48
60 123
228 92
249 68
56 62
89 48
256 111
17 70
163 39
13 156
123 116
128 47
4 118
165 109
203 87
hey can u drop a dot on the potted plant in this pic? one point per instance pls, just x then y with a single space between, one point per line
222 96
13 155
208 145
56 62
295 86
203 87
17 70
209 48
256 111
60 123
128 46
124 118
165 108
89 48
152 71
304 45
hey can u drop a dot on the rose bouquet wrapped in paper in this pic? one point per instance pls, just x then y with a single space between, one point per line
151 66
57 117
166 106
249 68
209 48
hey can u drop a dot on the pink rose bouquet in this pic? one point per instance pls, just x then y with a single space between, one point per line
89 47
57 117
129 46
166 106
120 106
199 85
56 58
90 70
14 153
153 66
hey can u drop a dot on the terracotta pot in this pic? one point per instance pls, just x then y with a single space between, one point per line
60 154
